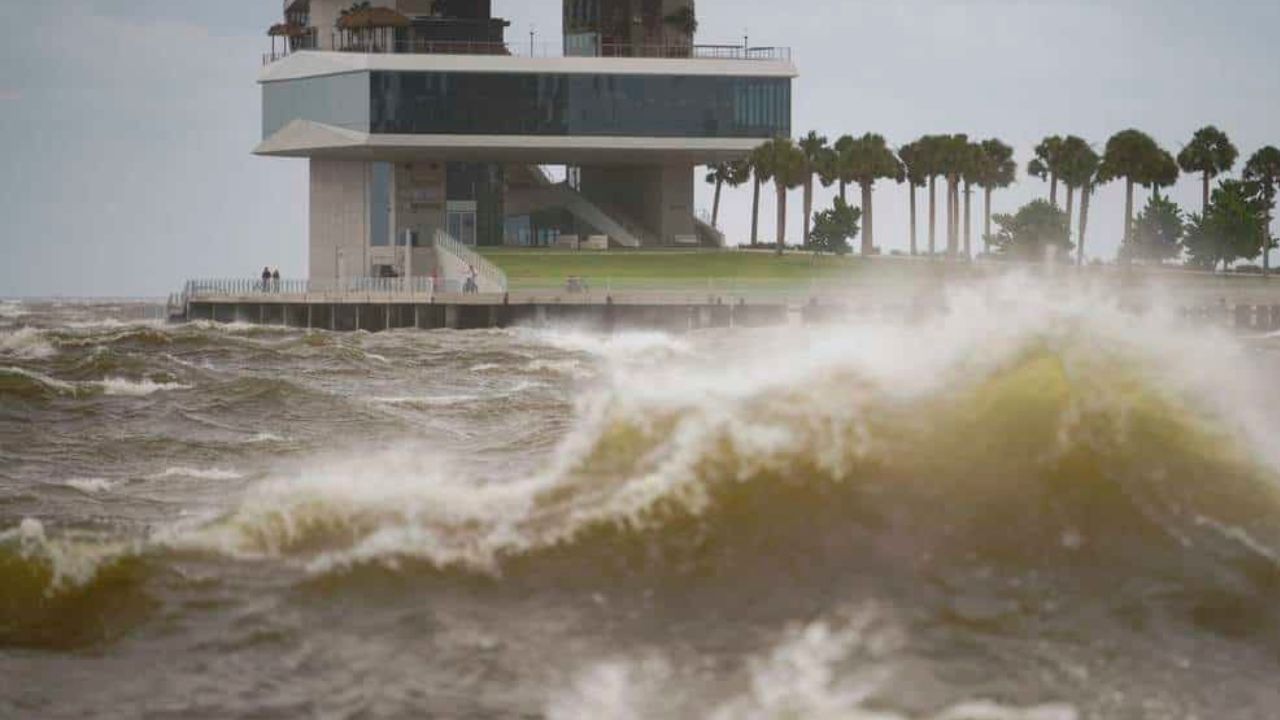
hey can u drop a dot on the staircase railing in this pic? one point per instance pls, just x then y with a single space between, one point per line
488 273
611 214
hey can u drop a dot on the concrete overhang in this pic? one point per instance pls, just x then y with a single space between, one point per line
307 139
311 63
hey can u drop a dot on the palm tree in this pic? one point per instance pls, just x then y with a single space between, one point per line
913 162
1046 164
732 174
996 170
814 147
784 163
756 179
1162 173
1086 192
1209 153
951 160
1263 168
837 169
1130 154
970 175
867 160
931 150
1077 164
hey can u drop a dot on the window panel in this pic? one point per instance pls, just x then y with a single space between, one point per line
608 105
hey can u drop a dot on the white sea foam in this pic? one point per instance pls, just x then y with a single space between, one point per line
826 670
197 474
11 309
136 388
572 368
428 401
93 486
112 324
73 559
797 393
51 383
628 345
266 437
26 344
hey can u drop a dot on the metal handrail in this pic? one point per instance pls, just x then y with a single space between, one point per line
485 269
373 44
354 286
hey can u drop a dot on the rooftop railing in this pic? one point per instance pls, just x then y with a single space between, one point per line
347 43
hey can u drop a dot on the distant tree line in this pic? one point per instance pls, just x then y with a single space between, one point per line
1233 222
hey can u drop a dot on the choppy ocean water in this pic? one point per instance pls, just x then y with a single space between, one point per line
1031 506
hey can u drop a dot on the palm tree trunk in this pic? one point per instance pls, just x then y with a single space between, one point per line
1128 210
951 217
782 216
1266 247
948 218
868 225
986 222
1084 220
843 186
808 207
715 206
955 215
933 216
1071 207
1053 190
755 213
968 224
1204 207
912 189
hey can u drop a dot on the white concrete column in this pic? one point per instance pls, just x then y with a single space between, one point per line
339 218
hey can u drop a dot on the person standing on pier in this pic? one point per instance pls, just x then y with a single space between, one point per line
266 279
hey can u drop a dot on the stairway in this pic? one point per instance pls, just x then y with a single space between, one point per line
456 261
620 232
709 236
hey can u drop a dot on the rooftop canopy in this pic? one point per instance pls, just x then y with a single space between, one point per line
287 30
364 18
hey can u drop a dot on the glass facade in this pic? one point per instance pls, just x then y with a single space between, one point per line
535 104
339 100
541 104
380 204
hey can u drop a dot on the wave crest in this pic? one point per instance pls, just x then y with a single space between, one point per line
67 592
1075 442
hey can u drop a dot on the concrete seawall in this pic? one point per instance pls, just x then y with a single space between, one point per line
380 316
606 316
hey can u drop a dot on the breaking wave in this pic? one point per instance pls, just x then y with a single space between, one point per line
824 669
137 388
26 344
1061 436
19 382
68 591
30 384
11 309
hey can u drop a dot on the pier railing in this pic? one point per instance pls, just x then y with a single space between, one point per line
341 288
489 277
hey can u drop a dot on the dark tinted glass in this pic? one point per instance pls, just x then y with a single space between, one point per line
617 105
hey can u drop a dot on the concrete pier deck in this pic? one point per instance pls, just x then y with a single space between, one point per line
1248 303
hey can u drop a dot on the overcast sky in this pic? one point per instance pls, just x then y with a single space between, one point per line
126 125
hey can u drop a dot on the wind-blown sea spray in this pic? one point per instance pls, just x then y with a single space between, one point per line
1015 381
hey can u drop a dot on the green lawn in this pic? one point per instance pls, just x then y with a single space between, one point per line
548 268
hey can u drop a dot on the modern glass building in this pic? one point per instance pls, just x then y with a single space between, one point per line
416 116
